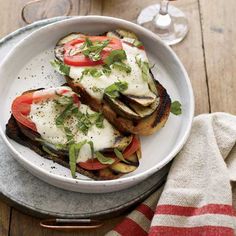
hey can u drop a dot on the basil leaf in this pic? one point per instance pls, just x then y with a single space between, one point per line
115 56
122 66
92 147
176 108
99 121
74 150
120 155
93 72
84 122
117 87
60 67
69 135
94 49
104 160
106 70
137 43
96 89
64 100
61 118
144 66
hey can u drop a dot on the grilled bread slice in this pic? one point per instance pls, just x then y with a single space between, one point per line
33 126
141 110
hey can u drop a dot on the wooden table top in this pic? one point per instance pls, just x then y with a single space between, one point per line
208 53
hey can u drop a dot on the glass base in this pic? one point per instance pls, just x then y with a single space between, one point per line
171 28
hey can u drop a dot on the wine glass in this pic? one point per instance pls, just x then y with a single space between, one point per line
167 21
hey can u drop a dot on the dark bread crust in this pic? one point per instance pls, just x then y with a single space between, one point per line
26 137
144 126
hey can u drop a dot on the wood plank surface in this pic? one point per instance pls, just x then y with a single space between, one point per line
209 45
5 212
219 34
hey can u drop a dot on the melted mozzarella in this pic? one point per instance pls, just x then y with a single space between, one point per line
136 84
44 115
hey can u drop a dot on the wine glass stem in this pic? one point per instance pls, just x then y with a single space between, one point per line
164 7
163 20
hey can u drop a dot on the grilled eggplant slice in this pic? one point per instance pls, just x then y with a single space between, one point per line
121 108
122 168
141 100
133 159
120 33
145 111
59 49
108 174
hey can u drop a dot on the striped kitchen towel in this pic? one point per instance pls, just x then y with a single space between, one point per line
199 195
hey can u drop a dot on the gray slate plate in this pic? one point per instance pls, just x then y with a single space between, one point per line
33 196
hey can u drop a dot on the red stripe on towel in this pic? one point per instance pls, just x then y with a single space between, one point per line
128 227
193 211
194 231
145 210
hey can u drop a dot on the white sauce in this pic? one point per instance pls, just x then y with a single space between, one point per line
136 84
44 115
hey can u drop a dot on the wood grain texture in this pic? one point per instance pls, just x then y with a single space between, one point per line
22 224
190 51
5 212
219 34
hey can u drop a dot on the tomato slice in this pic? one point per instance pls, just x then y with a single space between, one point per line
80 59
132 148
21 106
92 164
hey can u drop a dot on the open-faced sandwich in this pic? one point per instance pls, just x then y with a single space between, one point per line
112 75
56 125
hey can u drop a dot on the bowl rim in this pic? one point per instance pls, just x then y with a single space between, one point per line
143 175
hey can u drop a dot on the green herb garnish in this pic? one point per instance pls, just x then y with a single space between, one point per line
93 49
144 66
137 43
106 70
176 108
60 67
116 88
64 100
99 121
66 112
84 123
121 66
120 155
115 56
96 89
91 71
104 160
74 150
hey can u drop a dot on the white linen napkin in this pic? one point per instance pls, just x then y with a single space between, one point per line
199 195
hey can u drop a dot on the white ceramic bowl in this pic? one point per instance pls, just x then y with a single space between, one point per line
27 66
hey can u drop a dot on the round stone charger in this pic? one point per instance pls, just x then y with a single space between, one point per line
33 196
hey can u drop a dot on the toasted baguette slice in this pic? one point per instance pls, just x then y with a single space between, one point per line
142 115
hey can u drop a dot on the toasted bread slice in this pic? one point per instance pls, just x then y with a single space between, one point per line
33 140
129 113
145 126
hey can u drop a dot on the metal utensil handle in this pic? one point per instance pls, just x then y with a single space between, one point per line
68 224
